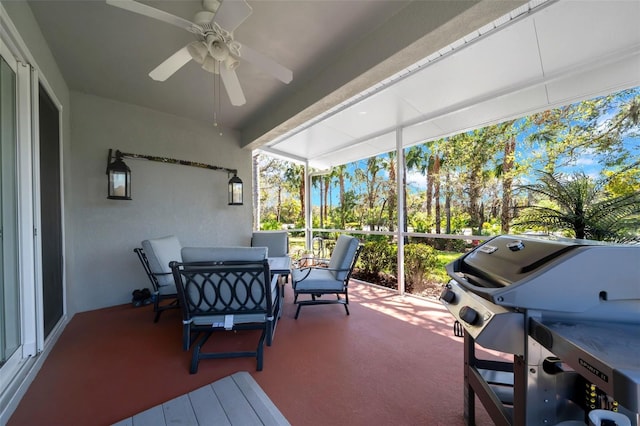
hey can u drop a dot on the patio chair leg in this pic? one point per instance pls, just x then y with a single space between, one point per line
298 310
270 331
260 353
186 337
195 358
156 307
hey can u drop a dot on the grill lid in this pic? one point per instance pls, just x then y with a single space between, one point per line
505 260
549 273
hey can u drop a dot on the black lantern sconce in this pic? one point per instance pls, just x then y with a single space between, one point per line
235 191
119 176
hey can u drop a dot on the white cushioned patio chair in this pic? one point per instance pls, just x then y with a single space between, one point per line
277 242
225 289
316 281
155 255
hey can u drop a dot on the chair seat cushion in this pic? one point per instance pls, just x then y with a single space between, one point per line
318 279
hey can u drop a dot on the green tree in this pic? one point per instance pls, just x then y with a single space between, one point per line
371 180
582 206
389 165
598 126
340 174
294 178
270 180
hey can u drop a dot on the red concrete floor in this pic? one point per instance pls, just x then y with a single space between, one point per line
393 361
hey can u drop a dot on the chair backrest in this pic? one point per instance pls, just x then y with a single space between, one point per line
160 252
218 254
344 256
276 241
223 281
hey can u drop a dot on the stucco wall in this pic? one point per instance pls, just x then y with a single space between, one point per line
188 202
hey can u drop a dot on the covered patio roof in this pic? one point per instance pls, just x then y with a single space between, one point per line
541 55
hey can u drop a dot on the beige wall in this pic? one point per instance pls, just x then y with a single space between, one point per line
188 202
101 268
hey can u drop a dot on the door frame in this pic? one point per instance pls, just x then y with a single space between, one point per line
22 373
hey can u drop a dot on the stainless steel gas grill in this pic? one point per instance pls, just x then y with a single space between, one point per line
568 311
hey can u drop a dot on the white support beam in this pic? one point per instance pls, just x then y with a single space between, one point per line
400 206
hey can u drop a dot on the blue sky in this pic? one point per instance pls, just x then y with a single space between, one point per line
587 162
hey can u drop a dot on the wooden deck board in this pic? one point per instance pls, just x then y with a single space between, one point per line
179 412
264 408
233 400
207 407
235 404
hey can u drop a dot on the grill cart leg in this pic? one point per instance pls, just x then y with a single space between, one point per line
493 383
469 394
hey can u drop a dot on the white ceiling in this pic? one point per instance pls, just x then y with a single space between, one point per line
108 51
339 107
531 60
335 49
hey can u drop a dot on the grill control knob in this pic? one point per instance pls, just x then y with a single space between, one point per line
468 315
448 295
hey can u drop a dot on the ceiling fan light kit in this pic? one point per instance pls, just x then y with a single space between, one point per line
216 50
198 51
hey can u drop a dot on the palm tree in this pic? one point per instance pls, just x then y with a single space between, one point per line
581 205
295 180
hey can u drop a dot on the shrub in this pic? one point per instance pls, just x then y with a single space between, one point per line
446 244
376 256
419 259
271 225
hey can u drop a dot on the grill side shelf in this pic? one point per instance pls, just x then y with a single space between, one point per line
604 353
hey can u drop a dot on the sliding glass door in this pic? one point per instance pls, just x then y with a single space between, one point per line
10 325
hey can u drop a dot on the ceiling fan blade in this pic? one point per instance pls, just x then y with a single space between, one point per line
267 64
172 64
232 13
232 84
151 12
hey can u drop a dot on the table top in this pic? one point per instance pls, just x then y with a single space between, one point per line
280 265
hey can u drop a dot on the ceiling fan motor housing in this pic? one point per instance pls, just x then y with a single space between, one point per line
211 5
203 18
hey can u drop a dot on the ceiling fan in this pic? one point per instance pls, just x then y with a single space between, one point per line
216 50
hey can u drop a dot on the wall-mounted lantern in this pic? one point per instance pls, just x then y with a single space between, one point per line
235 191
119 176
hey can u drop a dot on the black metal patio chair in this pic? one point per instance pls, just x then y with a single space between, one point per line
332 279
233 290
155 255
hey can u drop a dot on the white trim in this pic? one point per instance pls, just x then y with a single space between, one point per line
25 208
29 79
6 54
12 369
7 32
